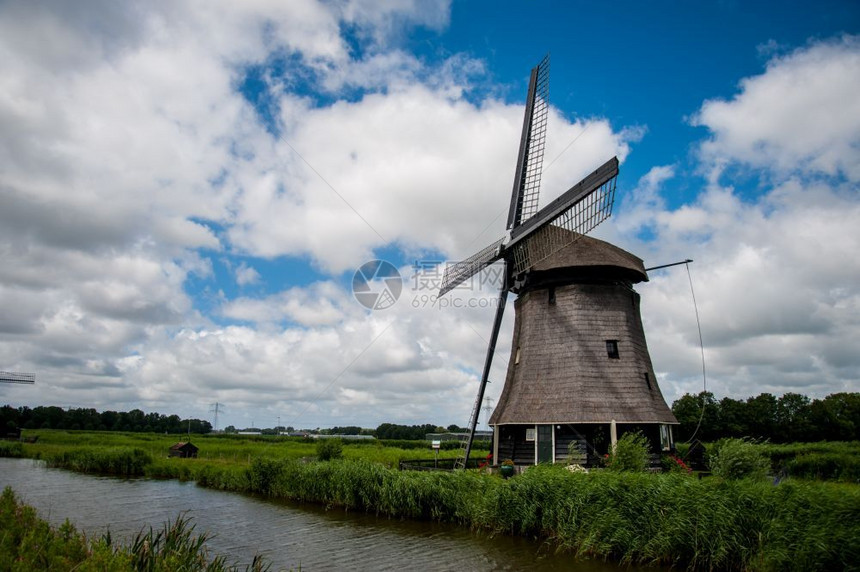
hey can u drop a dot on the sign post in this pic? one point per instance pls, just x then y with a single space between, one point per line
436 444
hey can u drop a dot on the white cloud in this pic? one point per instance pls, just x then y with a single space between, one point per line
412 166
246 275
801 115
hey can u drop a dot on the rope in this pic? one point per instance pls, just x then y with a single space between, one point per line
702 347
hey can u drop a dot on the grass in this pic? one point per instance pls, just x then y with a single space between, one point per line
819 461
216 451
824 461
28 543
13 449
714 523
118 461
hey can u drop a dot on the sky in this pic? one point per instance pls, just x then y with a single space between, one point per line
187 190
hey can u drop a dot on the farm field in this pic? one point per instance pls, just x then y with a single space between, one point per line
233 452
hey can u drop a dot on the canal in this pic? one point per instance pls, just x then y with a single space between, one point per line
287 534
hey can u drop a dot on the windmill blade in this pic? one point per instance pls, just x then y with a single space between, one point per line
526 191
577 211
459 272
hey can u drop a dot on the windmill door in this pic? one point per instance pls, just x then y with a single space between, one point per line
544 444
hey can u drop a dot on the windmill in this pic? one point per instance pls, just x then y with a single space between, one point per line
538 251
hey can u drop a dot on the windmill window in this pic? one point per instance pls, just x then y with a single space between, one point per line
517 357
552 295
648 380
612 349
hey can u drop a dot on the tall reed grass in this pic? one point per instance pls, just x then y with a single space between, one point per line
820 461
119 461
13 449
28 543
634 518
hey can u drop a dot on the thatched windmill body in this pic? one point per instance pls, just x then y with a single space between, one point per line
579 371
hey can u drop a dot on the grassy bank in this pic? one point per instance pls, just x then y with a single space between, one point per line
630 517
28 543
641 518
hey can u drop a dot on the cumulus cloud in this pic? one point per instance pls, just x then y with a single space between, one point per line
246 275
801 116
394 167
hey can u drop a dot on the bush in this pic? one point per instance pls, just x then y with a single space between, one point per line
738 459
630 454
328 449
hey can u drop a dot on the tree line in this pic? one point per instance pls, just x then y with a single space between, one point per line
52 417
790 418
412 432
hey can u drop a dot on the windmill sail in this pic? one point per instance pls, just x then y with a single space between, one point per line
579 210
458 272
17 377
525 194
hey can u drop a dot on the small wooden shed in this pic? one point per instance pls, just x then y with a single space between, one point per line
183 451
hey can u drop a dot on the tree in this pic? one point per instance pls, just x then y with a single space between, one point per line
688 410
792 419
837 417
761 416
348 430
733 421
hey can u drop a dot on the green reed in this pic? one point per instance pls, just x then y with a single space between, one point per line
28 543
634 518
120 461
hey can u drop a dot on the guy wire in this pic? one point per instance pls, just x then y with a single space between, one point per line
702 347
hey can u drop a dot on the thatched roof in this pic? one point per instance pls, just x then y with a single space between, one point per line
585 257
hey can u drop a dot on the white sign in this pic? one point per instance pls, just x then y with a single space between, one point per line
436 444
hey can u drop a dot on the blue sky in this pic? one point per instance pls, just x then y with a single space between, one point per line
189 189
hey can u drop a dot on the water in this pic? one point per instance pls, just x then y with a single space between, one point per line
289 535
